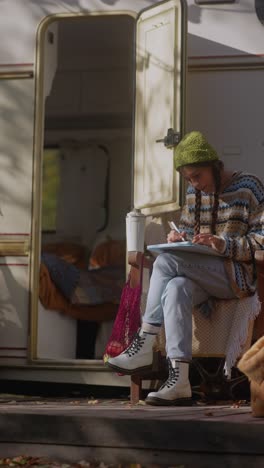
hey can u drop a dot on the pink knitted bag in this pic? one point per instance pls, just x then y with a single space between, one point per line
128 319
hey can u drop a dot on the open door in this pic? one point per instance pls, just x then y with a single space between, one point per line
160 83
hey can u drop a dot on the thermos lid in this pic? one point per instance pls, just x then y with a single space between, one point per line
135 213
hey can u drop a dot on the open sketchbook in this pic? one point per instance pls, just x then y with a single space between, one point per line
183 246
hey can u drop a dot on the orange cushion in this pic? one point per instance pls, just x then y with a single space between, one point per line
109 253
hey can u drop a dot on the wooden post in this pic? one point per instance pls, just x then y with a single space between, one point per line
135 389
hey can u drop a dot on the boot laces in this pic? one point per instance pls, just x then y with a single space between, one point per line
174 374
136 345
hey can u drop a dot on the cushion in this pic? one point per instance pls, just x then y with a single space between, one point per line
108 253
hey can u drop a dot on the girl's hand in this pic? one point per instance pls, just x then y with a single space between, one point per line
175 236
216 242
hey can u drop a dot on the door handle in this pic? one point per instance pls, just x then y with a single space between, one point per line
171 139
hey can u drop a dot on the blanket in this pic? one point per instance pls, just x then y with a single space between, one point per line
85 287
64 275
99 286
51 298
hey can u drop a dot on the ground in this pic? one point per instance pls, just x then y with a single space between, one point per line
78 432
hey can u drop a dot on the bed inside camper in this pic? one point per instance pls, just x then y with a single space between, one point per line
86 182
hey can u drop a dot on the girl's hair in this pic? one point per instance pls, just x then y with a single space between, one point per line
217 167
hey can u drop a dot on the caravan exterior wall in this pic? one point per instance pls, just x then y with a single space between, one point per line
226 69
225 82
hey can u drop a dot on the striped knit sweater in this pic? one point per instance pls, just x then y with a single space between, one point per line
240 222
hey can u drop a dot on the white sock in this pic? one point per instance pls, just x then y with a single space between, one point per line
150 329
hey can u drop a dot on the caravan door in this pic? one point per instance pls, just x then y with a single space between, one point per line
160 83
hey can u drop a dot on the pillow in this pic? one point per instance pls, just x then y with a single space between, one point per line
108 253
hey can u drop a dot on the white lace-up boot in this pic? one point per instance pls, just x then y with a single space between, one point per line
137 357
176 390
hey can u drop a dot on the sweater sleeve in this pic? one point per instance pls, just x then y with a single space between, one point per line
242 248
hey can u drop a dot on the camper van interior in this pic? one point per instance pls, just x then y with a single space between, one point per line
86 182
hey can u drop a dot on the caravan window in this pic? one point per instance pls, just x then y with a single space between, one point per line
50 188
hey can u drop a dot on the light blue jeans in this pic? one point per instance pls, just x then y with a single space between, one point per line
179 282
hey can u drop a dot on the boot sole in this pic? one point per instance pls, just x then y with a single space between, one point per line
162 402
129 371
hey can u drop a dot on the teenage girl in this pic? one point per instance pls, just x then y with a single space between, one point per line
225 211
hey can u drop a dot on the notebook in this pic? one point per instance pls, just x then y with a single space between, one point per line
185 246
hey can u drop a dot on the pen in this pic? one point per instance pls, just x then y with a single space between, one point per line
174 227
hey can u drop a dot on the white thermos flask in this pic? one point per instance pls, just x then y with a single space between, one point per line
135 231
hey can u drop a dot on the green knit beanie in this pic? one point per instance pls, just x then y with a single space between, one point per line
193 149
